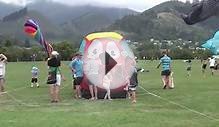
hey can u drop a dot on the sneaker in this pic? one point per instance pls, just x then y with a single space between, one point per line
165 86
134 101
92 99
38 86
31 86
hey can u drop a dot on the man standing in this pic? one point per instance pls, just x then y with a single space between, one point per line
3 60
165 61
76 67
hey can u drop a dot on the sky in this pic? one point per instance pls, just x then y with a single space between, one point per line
138 5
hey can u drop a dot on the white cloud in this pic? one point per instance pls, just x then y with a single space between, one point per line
139 5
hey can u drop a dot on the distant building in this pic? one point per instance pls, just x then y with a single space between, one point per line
195 1
188 1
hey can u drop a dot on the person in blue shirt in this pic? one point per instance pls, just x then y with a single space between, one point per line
76 67
165 62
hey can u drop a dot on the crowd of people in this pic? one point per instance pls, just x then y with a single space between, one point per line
76 66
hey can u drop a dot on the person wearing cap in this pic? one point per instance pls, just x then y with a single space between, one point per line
76 67
34 80
54 77
3 61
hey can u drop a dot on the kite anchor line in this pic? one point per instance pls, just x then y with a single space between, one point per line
182 106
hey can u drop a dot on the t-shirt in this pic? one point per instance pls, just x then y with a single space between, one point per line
92 67
77 65
35 72
165 62
212 62
134 78
54 64
2 69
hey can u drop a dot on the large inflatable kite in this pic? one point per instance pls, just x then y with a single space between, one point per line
202 11
96 49
213 44
32 29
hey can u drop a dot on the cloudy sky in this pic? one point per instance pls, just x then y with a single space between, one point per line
138 5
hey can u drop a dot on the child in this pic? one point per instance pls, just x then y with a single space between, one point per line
34 80
106 84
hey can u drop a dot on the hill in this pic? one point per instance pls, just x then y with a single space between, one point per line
163 22
12 25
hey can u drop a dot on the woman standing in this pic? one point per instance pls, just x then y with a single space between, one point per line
3 61
54 77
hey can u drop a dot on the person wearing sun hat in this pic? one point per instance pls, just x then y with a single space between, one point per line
54 76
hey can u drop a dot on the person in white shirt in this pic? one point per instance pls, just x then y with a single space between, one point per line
212 62
3 61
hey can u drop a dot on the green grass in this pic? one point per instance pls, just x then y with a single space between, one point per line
27 107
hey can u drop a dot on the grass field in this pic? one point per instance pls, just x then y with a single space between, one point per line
193 102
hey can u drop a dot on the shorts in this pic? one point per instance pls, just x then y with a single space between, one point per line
204 66
165 73
58 80
77 81
2 77
212 67
34 80
131 88
189 69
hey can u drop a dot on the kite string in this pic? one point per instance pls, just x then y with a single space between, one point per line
177 104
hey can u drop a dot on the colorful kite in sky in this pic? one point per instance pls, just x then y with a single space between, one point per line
32 28
213 44
202 11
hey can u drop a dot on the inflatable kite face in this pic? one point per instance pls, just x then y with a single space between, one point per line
108 56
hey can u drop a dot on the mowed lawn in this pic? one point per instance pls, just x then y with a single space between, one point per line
193 103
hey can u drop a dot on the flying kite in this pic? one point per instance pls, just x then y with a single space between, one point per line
32 29
213 44
202 11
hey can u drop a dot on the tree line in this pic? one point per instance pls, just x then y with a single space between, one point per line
27 51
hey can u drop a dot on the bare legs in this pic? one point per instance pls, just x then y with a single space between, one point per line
2 84
54 93
166 82
93 92
77 91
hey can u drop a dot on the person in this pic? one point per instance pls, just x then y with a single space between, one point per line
92 71
107 79
189 67
34 80
3 61
76 67
165 61
212 62
133 83
204 65
54 78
